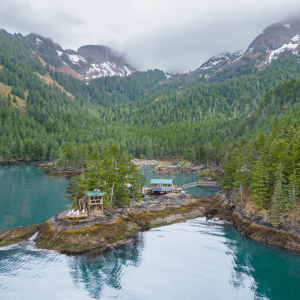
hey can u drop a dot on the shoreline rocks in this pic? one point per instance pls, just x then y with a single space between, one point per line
65 172
119 226
254 226
17 234
178 169
23 163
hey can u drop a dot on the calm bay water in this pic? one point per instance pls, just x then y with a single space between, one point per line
27 196
197 259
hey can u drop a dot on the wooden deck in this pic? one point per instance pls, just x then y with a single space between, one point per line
76 217
202 183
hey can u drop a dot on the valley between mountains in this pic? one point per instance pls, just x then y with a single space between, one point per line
239 111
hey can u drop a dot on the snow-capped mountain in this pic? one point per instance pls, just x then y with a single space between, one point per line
89 62
267 47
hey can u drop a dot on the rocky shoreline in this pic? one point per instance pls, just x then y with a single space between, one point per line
119 226
254 226
23 163
115 228
178 169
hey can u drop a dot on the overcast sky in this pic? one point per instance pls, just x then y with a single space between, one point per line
173 35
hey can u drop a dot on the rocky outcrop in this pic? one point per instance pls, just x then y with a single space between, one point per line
22 162
266 47
177 169
88 62
105 231
118 226
65 172
47 165
17 235
252 225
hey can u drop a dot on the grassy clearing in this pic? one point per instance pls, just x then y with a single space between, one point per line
5 90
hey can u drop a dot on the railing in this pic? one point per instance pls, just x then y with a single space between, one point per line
161 189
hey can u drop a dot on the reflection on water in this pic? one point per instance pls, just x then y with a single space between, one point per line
99 272
197 259
275 272
27 196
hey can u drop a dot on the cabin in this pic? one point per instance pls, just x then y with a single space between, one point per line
161 185
94 201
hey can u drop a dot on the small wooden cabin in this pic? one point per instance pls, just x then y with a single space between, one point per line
94 201
162 185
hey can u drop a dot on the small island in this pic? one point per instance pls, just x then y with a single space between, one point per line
110 204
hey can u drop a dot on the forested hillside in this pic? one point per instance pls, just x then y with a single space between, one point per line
143 113
267 163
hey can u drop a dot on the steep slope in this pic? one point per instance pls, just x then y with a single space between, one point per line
103 61
90 62
273 41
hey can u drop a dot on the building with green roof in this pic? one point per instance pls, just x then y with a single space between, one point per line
162 185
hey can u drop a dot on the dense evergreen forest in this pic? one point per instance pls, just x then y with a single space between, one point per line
247 121
267 164
144 113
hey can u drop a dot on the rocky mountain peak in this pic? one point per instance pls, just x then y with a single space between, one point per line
267 46
90 61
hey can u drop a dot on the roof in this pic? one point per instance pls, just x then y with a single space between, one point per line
161 181
89 194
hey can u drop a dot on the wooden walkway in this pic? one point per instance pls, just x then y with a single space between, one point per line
202 183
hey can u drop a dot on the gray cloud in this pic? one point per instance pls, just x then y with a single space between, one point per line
173 35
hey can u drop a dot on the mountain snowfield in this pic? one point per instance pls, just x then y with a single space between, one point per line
89 62
273 41
95 70
95 61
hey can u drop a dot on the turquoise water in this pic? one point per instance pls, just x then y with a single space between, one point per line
27 196
197 259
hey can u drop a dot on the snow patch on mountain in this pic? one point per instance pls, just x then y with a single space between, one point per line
38 41
106 69
274 54
59 53
287 25
76 58
296 38
127 71
239 55
214 61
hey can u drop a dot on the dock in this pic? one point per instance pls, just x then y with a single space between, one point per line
204 183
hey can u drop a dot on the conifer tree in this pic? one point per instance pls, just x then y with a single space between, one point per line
240 176
259 190
279 205
293 190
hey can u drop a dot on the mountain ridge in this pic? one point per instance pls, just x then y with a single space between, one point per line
267 46
89 61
